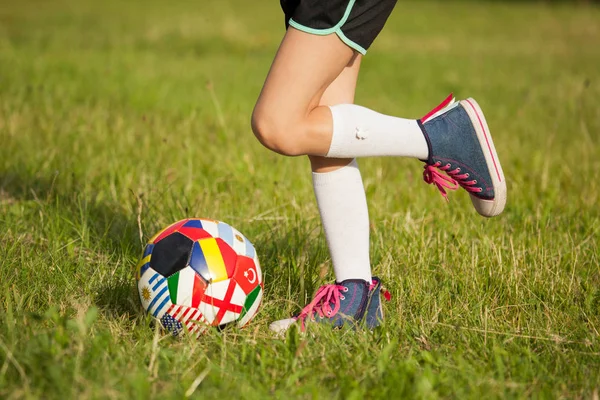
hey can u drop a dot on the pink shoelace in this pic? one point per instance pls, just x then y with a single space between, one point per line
451 181
321 303
325 297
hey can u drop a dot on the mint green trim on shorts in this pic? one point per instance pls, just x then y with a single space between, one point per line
350 43
337 29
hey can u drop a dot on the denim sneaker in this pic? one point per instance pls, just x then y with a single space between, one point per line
460 144
337 304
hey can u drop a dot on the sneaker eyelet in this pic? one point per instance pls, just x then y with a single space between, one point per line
448 165
467 175
345 289
475 182
342 298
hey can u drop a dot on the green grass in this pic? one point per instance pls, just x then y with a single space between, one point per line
117 118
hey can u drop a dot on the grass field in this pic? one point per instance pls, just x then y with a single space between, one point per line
118 118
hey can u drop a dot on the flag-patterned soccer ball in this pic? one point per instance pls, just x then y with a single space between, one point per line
199 273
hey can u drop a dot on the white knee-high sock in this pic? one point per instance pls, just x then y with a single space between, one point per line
360 132
343 207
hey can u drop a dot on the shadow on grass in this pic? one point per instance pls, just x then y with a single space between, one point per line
292 259
105 236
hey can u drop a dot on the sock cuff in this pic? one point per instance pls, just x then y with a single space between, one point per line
350 170
360 132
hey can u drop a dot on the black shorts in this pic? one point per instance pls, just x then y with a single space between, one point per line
356 22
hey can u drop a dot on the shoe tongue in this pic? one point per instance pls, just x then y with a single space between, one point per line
355 284
447 108
443 107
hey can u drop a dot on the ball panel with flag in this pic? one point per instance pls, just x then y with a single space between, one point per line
251 305
186 287
225 232
200 272
154 293
222 301
167 231
239 242
211 260
148 250
246 274
258 269
191 317
194 233
210 226
236 240
229 256
143 265
171 324
198 262
231 311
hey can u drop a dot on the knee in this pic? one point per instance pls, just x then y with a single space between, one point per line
275 134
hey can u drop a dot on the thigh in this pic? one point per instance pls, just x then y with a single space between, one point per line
304 67
343 88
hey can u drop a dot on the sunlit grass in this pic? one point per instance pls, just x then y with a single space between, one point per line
114 112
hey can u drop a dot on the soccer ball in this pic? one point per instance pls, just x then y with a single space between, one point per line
199 273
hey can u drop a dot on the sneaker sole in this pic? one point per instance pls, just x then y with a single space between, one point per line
487 208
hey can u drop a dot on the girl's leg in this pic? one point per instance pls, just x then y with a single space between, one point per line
289 120
341 196
287 117
453 138
289 105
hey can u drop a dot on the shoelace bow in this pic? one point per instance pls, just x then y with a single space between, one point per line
327 295
451 181
321 303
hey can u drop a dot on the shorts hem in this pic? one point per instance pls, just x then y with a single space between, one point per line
335 29
350 43
321 32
